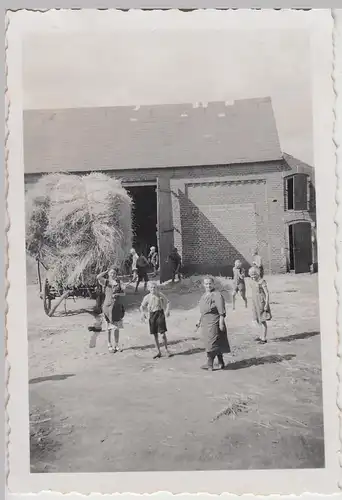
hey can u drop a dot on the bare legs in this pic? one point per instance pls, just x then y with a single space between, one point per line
243 296
234 300
116 334
263 333
156 339
262 327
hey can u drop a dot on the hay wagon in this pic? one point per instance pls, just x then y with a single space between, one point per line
50 291
73 223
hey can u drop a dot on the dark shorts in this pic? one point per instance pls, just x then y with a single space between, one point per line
142 275
157 323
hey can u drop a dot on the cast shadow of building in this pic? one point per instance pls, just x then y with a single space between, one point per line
205 249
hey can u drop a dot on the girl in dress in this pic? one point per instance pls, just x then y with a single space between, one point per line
113 308
257 262
212 324
260 303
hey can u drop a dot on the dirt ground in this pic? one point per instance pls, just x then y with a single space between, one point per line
92 411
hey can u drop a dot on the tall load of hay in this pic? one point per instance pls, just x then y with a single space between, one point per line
77 226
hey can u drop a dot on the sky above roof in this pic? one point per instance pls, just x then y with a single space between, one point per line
90 68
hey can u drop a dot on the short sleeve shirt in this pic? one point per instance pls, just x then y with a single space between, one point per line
155 302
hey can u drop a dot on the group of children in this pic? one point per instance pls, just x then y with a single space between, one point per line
140 265
155 306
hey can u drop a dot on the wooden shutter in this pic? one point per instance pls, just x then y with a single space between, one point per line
300 191
312 198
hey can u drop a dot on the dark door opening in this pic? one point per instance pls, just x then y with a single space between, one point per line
144 217
300 247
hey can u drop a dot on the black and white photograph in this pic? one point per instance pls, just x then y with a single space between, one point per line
172 251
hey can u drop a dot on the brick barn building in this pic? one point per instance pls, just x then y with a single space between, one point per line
210 180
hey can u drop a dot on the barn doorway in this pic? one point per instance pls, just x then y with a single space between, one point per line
144 216
300 247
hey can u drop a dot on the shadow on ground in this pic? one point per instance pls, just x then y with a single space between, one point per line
264 360
189 352
296 336
51 377
151 346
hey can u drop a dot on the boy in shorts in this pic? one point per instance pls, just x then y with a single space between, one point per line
157 307
239 284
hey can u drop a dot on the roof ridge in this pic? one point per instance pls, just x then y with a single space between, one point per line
138 107
159 136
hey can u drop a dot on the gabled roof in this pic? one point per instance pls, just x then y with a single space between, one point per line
172 135
298 166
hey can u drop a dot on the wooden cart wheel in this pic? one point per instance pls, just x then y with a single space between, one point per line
47 298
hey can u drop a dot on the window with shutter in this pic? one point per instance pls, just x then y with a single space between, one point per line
300 192
297 192
312 198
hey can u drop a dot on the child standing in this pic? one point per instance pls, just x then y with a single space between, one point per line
260 303
176 263
142 269
157 307
239 284
154 260
113 308
257 262
134 258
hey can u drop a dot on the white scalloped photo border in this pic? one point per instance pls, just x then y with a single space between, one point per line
326 29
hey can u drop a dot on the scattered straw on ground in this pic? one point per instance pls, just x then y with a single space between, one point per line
234 408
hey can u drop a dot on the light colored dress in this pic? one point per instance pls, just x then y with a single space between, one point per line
259 301
257 261
212 306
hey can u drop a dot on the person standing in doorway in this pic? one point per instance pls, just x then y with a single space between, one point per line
153 258
142 270
176 263
134 259
257 262
239 285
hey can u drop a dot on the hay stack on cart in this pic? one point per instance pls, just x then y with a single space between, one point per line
76 227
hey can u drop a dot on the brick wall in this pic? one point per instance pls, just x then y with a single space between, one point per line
222 218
